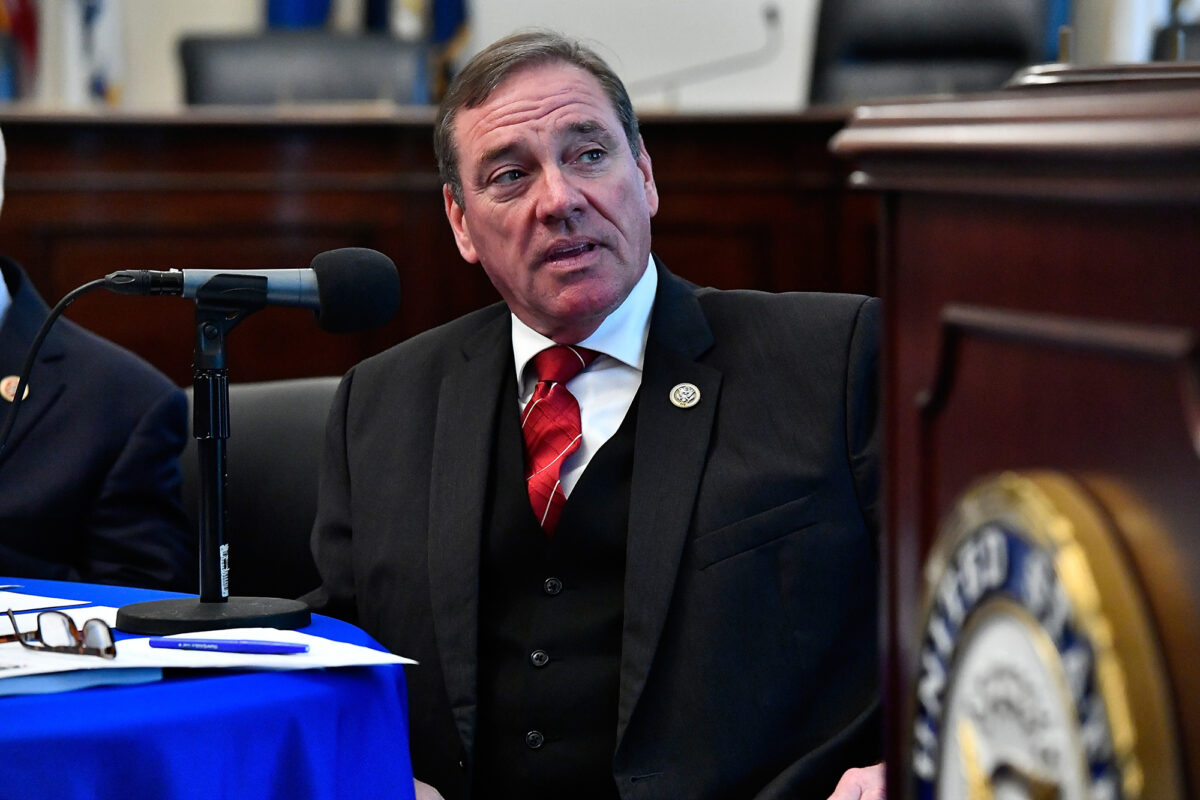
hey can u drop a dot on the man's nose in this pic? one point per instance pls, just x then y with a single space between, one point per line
558 195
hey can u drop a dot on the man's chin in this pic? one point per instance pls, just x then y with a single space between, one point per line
572 319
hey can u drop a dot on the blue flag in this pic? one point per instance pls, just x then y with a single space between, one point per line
448 35
449 21
292 14
1058 13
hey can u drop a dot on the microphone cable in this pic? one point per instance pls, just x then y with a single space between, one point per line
43 331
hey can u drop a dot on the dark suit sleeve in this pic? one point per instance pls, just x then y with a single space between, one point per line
331 537
18 563
859 743
862 411
138 534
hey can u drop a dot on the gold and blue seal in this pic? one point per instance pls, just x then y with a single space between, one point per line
1039 674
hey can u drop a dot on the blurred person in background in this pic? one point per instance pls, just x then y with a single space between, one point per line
89 476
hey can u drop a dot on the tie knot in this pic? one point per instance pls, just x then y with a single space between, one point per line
562 362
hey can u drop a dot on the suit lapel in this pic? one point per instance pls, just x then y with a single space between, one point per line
46 382
669 459
465 433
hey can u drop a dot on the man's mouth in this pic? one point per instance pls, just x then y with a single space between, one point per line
567 252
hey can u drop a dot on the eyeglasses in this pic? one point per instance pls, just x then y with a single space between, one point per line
57 633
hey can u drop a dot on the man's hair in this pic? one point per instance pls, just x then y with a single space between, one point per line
494 64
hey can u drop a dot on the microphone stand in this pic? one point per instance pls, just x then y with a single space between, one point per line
221 304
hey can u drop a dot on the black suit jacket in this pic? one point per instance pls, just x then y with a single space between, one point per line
89 479
748 664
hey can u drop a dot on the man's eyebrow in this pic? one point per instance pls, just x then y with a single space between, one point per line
590 127
587 127
498 153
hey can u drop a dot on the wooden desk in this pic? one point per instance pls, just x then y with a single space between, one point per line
746 202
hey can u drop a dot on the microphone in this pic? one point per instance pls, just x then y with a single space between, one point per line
349 289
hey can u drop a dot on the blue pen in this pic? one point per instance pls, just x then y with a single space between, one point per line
257 646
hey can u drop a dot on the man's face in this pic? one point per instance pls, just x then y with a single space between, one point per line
555 207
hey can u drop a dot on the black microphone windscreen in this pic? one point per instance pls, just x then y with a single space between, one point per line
358 288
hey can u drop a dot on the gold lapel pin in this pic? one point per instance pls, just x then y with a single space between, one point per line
685 395
8 388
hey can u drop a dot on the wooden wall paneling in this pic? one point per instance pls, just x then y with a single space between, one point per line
85 197
752 202
758 202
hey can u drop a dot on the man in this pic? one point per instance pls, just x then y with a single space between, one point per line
89 476
697 619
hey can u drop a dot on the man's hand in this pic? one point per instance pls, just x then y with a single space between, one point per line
866 783
425 792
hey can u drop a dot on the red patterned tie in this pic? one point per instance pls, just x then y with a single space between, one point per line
552 428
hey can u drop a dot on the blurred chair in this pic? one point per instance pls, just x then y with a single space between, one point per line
273 454
868 49
302 67
1167 43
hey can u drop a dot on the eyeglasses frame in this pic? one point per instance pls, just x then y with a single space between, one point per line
79 636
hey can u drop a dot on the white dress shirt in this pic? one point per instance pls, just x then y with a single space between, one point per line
606 389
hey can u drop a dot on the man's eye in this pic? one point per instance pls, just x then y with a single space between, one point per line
591 156
507 176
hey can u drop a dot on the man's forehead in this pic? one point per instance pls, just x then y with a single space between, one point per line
557 97
550 77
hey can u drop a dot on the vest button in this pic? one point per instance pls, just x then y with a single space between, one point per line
539 658
534 740
552 586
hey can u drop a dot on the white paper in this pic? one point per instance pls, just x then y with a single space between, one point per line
321 652
50 672
71 679
136 653
18 601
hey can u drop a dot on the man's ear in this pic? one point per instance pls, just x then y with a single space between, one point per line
647 169
458 224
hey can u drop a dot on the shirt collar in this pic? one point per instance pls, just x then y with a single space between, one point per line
5 299
622 335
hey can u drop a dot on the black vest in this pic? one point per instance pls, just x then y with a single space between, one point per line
551 611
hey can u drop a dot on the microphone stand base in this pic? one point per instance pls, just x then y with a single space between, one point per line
189 614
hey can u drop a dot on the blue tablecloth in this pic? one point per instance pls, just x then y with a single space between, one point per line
216 735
